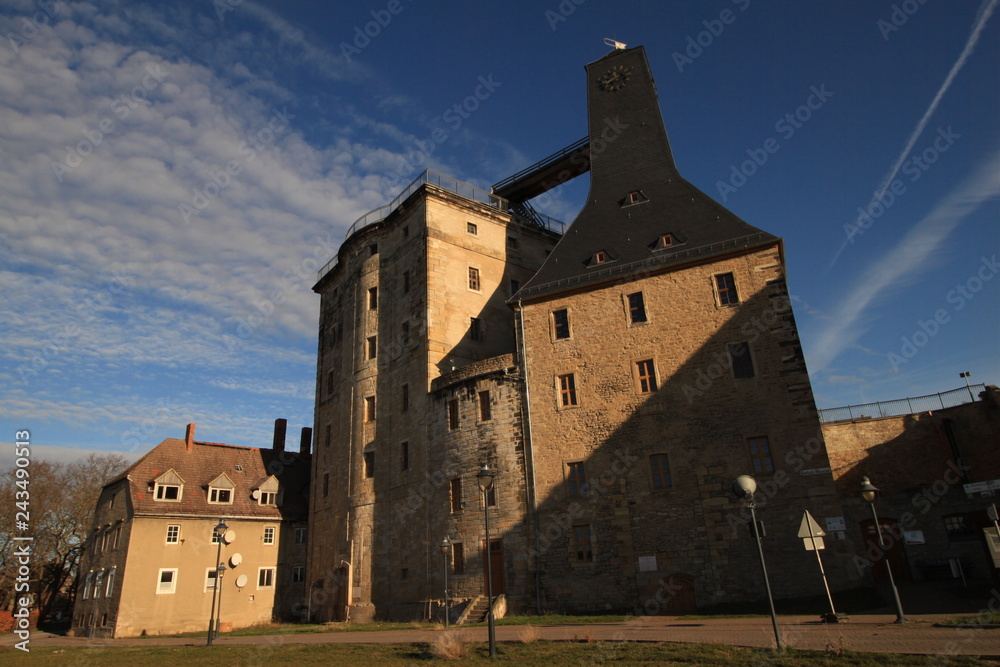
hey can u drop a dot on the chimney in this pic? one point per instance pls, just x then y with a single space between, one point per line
279 434
189 438
306 440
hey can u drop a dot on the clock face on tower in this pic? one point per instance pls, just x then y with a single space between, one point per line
615 78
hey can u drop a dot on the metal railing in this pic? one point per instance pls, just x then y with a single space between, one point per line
903 406
449 184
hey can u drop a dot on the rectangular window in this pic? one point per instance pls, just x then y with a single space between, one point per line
646 372
220 496
173 533
567 390
300 535
98 584
216 536
369 464
86 585
265 577
328 435
371 348
456 494
298 574
475 329
960 528
453 414
373 249
326 484
168 492
405 403
760 455
405 329
742 362
269 535
577 479
485 411
457 558
514 286
373 298
659 470
404 573
331 380
636 308
110 589
512 242
473 279
118 538
268 498
725 285
472 228
404 456
582 546
166 581
406 282
211 576
369 408
560 324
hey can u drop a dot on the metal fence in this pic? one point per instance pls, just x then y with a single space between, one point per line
903 406
437 179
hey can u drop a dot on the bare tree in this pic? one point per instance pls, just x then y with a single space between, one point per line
62 502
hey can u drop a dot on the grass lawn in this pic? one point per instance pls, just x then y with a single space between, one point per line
537 653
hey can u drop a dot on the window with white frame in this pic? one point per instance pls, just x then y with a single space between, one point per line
269 498
300 535
170 492
166 581
98 584
168 487
211 576
269 535
265 577
298 574
221 490
110 588
86 585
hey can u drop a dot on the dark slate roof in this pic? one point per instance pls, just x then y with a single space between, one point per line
205 462
629 152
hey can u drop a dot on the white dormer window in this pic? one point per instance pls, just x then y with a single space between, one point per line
268 494
168 487
220 490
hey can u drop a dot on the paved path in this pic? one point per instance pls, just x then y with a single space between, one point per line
870 633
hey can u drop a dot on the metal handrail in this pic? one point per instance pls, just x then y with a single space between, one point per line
444 182
903 406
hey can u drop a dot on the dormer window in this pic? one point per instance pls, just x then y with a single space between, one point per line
168 487
268 493
599 257
220 490
635 197
666 240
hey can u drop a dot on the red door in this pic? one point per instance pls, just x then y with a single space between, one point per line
496 566
892 535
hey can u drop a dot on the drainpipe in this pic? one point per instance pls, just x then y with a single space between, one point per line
531 463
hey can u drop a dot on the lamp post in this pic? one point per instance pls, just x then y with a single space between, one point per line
744 487
485 479
870 494
219 573
220 530
966 374
446 551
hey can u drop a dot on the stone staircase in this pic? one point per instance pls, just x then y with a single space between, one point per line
477 610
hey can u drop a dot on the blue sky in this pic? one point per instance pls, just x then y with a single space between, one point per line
173 174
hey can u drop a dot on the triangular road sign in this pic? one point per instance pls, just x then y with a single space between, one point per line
808 522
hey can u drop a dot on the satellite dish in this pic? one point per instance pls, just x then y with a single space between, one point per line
255 494
229 536
241 581
235 559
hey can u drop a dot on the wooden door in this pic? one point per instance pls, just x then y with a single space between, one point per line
892 535
496 566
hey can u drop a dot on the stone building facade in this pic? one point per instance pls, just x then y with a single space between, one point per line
618 377
938 472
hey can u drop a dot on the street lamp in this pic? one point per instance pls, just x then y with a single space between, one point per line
219 573
446 551
870 494
966 374
744 487
485 479
220 530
